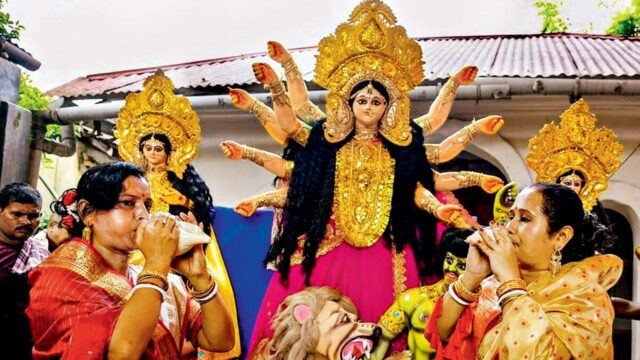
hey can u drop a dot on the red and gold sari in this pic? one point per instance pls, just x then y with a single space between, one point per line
568 316
76 299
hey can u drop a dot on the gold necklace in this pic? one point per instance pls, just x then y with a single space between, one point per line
363 191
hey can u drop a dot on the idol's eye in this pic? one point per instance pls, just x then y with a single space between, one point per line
462 266
376 102
362 102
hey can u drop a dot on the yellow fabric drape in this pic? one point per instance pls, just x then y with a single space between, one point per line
566 316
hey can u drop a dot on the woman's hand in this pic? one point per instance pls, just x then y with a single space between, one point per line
232 150
477 266
240 99
193 263
491 184
501 253
157 239
246 207
173 197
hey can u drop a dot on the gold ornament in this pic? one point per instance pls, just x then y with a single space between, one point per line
369 46
87 233
556 260
157 110
576 145
364 188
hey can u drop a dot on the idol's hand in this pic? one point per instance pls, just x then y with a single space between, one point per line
173 197
240 98
264 73
490 125
447 213
232 150
246 207
277 52
491 184
466 75
157 239
501 252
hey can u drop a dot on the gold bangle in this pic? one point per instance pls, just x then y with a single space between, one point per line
152 274
433 153
466 294
510 285
279 96
197 293
302 133
291 70
428 202
288 169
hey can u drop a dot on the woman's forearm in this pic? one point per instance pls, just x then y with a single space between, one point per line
217 333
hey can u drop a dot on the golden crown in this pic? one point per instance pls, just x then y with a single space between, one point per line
157 110
369 46
576 145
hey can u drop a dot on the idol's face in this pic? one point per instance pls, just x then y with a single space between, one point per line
453 267
368 106
155 153
572 181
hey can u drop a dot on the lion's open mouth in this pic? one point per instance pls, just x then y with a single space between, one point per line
356 349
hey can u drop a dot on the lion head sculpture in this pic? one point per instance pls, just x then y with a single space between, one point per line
320 323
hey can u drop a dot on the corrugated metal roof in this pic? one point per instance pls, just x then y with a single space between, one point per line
532 56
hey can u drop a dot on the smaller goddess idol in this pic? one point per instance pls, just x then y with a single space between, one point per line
160 132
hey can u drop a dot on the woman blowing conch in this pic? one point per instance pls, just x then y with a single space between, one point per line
533 307
88 302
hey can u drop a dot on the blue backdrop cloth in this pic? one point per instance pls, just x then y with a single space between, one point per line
244 243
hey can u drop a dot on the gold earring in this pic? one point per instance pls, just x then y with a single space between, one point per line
87 234
556 260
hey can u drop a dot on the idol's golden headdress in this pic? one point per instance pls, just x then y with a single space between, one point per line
370 46
157 110
576 145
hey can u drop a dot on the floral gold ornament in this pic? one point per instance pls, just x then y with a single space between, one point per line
576 144
369 46
157 110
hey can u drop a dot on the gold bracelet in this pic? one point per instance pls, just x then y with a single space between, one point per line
309 112
433 153
466 294
288 169
449 91
510 285
152 274
302 133
274 198
278 94
264 114
468 178
196 293
254 155
428 202
291 70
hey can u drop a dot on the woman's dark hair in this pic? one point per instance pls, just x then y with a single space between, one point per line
191 185
100 186
361 85
310 199
563 207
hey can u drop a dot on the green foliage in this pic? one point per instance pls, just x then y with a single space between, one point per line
9 29
627 21
551 20
31 97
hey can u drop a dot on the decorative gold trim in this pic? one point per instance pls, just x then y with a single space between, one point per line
302 133
363 191
399 271
309 112
76 256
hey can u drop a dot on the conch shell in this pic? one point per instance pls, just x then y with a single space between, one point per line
190 236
